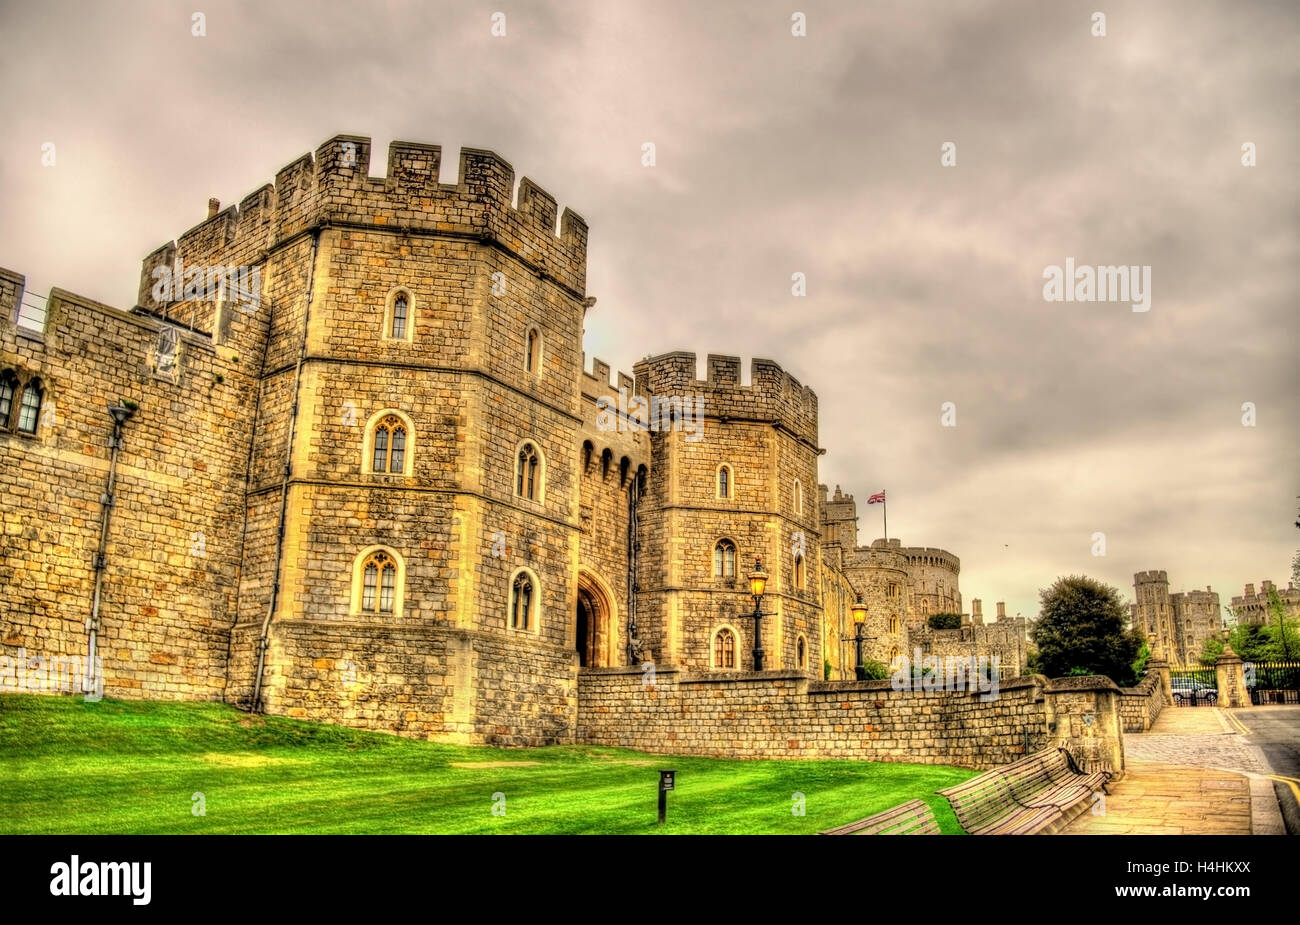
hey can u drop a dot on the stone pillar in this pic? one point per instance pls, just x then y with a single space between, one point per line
1159 665
1228 678
1083 717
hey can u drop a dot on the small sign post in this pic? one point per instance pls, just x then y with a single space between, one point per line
667 780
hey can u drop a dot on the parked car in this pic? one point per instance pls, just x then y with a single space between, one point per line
1189 688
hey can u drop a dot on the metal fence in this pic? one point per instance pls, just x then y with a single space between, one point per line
1272 682
1267 682
1193 686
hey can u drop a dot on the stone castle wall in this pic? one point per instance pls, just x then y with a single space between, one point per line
171 565
752 716
1139 706
789 716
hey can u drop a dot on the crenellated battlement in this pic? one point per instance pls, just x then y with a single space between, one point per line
773 395
597 382
932 556
1152 577
333 186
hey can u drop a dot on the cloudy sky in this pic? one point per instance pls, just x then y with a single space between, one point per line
778 154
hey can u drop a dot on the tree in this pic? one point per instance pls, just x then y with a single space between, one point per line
1082 627
944 621
1279 638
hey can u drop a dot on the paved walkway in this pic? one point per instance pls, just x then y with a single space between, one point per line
1199 737
1191 774
1166 799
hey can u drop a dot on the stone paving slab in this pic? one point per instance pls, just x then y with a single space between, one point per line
1155 798
1198 737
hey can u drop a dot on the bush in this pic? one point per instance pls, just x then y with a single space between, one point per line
945 621
875 671
826 670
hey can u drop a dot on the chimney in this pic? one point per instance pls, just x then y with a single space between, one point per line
1208 589
214 206
1002 610
976 612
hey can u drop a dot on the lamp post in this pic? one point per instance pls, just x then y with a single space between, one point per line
757 585
859 622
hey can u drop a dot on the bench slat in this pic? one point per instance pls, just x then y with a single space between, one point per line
1023 797
911 818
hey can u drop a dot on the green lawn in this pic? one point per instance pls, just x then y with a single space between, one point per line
69 767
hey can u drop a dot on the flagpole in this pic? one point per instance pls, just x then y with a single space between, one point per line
884 507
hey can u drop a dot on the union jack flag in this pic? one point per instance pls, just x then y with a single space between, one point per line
877 498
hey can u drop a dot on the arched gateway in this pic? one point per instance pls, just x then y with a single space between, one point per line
595 621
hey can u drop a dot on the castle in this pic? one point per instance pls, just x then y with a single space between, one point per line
344 460
1181 622
1252 607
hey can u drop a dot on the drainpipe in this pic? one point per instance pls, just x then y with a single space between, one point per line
634 646
263 641
121 414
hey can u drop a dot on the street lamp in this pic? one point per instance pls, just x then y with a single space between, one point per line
757 585
859 622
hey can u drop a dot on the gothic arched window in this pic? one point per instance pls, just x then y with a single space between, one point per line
528 473
30 410
523 604
724 649
378 583
724 559
390 445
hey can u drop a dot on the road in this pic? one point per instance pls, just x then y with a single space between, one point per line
1276 732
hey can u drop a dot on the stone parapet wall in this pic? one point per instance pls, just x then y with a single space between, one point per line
1139 706
785 715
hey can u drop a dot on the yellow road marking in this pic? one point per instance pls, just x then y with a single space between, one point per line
1290 782
1236 722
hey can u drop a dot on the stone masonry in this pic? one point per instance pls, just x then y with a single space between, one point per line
378 484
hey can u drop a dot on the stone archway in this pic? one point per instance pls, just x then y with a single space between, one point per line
594 630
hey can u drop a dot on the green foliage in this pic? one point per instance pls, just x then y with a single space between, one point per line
1032 664
826 670
875 671
944 621
1140 664
1082 626
270 774
1259 643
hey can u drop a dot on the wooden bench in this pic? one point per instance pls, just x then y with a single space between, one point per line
911 818
1041 791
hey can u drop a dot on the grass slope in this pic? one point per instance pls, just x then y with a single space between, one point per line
70 767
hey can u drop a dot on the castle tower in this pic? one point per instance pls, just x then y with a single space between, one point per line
933 582
413 473
1153 611
839 519
737 489
879 573
1196 619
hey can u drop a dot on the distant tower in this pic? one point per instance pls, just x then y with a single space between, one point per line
1153 612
